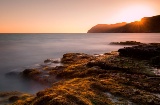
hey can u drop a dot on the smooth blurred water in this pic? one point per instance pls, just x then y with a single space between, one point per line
19 51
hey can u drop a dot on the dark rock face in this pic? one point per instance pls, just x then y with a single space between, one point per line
141 51
13 98
30 72
146 25
156 60
147 52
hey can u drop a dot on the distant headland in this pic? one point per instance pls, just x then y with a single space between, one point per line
146 25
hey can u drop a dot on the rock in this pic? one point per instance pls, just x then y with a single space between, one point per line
73 57
84 79
13 98
147 51
105 65
27 71
51 61
55 61
30 72
48 60
59 68
126 43
156 60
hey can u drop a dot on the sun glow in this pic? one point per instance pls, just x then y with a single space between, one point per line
135 13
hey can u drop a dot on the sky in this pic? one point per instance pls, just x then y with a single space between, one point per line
70 16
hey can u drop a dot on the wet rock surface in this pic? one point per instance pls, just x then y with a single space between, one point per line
146 51
105 79
149 52
7 98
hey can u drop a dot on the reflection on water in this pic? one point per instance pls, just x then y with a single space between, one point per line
21 50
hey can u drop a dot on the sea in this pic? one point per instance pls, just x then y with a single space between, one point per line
21 51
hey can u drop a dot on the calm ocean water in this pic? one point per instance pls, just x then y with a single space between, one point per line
19 51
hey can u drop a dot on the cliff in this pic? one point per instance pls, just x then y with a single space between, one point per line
146 25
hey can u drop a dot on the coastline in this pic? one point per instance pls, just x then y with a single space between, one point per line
109 78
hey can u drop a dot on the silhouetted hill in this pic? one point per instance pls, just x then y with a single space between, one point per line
146 25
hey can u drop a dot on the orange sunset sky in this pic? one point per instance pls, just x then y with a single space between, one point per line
70 16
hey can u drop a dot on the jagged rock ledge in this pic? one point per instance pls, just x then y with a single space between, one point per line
145 51
110 78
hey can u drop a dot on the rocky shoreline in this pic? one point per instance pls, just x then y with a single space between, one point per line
126 43
128 76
